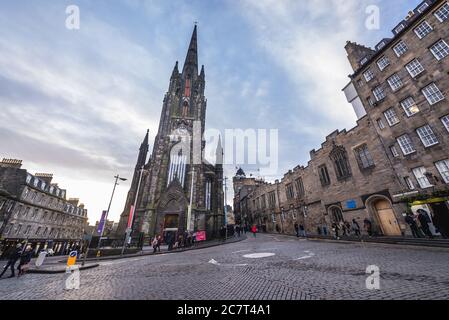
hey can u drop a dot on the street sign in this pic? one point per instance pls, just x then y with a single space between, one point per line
72 258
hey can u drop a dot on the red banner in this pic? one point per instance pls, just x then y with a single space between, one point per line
131 216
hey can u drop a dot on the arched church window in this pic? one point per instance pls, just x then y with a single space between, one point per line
185 108
337 215
208 194
340 158
177 168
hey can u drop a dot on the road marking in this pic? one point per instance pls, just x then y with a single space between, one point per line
216 263
305 257
258 255
241 251
213 261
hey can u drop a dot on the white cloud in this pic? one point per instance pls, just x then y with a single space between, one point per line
307 40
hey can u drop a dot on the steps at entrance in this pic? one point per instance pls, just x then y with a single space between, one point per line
440 243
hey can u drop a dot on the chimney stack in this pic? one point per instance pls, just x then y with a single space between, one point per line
11 163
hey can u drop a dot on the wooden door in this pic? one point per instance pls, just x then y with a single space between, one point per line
387 218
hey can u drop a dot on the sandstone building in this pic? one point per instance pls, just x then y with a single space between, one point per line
397 157
34 209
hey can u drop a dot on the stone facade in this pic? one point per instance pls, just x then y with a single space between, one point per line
344 180
411 116
361 173
176 171
33 208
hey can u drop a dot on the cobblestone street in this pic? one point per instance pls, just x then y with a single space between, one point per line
295 269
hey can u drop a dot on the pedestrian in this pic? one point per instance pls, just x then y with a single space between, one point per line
342 227
368 227
278 229
348 228
335 229
13 255
297 229
302 231
238 230
254 231
424 219
154 244
25 261
356 227
413 225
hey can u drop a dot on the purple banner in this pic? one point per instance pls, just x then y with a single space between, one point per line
102 222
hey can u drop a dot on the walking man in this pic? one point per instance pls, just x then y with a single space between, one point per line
413 225
254 231
14 255
297 229
424 219
302 231
356 227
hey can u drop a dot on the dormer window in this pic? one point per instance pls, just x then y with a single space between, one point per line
381 45
43 185
423 7
399 28
36 182
29 177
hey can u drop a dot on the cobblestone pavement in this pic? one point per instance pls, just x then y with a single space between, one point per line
299 269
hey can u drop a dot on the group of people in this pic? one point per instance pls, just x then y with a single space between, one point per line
345 229
173 240
300 230
419 225
15 254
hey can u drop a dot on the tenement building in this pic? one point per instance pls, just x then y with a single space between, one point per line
403 85
396 160
179 190
35 210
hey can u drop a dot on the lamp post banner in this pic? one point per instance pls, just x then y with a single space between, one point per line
131 217
102 222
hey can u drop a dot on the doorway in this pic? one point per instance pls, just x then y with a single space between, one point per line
387 218
441 218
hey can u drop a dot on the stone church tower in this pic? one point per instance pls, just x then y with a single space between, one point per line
176 175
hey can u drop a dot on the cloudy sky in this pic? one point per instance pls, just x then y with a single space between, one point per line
77 103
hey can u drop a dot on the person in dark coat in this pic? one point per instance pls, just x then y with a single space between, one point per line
14 255
297 229
368 227
424 219
25 259
413 226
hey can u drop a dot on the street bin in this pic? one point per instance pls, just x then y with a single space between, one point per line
40 259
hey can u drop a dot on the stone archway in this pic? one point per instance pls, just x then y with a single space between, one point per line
382 210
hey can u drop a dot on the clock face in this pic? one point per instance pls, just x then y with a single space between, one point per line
179 133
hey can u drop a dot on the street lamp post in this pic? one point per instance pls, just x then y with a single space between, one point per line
117 177
130 227
226 208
